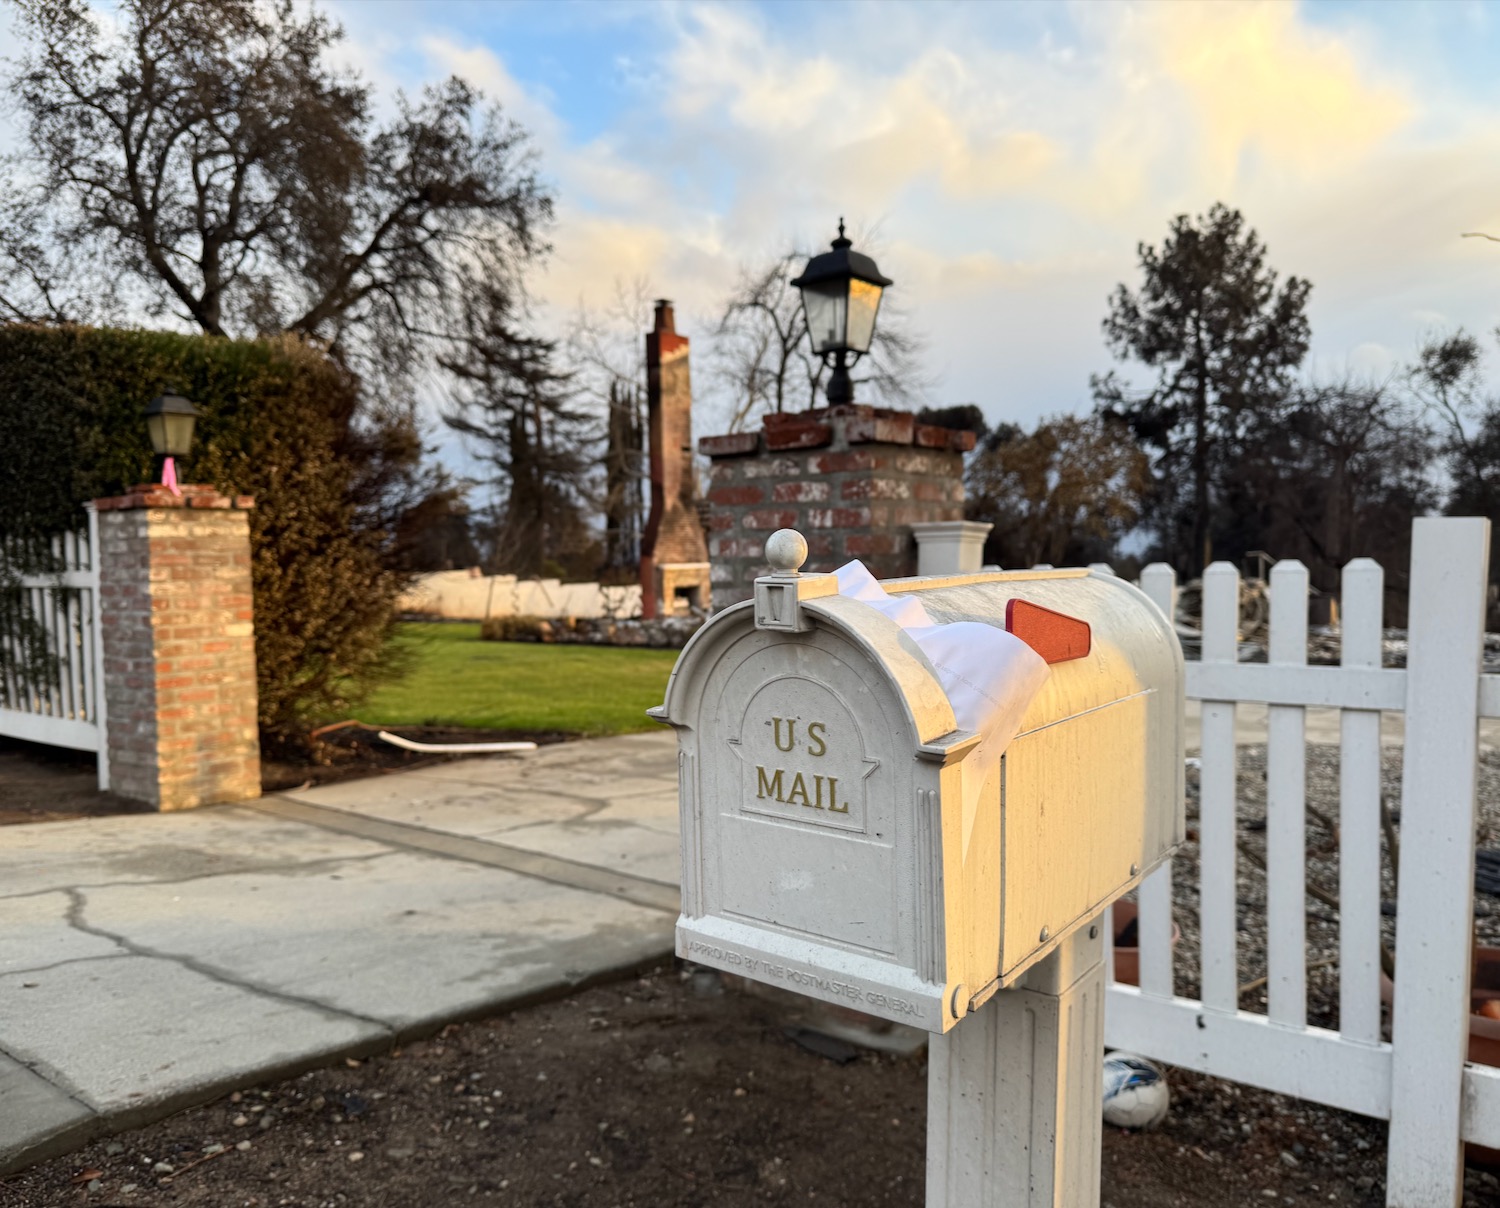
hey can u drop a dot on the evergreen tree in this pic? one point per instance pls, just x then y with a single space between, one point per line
1224 340
624 472
518 411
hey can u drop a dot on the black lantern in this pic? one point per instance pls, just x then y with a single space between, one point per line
841 296
169 420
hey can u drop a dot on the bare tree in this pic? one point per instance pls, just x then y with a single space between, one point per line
1062 494
1334 471
606 344
1448 382
763 362
208 162
760 347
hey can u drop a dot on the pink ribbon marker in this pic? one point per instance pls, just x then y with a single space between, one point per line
169 476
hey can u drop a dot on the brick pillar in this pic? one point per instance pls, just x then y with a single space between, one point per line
179 646
852 479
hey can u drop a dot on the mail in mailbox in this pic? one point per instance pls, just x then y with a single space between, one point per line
825 846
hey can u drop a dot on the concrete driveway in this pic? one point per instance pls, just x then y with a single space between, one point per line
150 962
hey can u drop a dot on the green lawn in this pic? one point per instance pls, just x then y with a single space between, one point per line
457 680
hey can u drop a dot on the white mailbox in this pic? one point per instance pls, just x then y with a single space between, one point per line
825 843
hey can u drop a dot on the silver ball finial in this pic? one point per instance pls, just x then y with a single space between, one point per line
786 550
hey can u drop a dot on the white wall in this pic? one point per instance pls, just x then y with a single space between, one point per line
462 595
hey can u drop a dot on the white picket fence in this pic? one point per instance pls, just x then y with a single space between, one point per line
1417 1079
66 709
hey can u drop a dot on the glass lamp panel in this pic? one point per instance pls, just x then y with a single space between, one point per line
177 434
827 315
156 429
864 302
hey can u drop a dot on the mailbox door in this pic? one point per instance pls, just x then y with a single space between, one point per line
1074 803
814 826
803 778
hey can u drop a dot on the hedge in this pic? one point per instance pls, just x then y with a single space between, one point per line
281 422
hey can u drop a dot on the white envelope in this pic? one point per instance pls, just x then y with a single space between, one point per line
990 676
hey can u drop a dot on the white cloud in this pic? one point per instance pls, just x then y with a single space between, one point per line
1020 178
1012 155
1372 361
1258 79
482 67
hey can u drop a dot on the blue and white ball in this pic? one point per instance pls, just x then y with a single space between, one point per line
1135 1092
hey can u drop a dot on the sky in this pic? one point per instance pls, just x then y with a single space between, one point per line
1001 160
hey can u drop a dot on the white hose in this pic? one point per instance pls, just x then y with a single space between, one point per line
457 748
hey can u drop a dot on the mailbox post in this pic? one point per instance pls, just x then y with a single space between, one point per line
837 841
1014 1095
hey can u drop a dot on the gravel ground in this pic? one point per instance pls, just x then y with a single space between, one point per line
673 1091
1322 872
643 1092
1223 1108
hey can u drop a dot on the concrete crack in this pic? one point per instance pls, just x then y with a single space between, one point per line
78 904
72 960
310 866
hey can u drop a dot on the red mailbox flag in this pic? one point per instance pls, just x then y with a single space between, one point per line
1054 636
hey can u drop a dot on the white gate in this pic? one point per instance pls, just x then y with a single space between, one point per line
66 708
1417 1080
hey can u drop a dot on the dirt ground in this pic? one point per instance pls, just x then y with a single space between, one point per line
49 784
666 1090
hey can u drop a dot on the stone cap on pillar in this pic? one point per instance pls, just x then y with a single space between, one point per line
950 547
154 495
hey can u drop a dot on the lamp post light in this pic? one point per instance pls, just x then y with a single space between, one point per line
841 292
169 421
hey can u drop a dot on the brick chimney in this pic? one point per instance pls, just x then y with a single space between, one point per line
674 554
